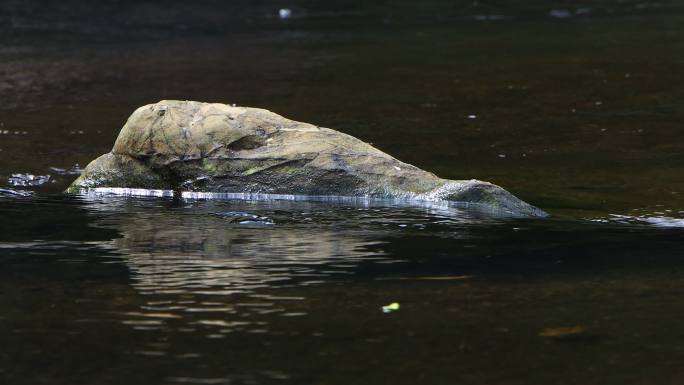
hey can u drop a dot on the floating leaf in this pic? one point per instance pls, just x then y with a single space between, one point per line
394 306
562 332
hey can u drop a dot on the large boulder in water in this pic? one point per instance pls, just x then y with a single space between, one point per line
211 147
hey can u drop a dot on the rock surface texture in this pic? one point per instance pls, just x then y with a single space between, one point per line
193 146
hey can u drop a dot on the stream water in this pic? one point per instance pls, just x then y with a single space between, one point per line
575 108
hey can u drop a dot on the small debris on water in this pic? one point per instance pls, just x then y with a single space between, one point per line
28 179
394 306
472 116
562 332
560 13
284 13
502 155
488 17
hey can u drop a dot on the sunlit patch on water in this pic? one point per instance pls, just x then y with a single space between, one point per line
649 220
15 193
27 179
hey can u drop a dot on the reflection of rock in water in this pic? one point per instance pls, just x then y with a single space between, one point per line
200 270
188 250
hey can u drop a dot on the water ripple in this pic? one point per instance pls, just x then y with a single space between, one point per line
657 220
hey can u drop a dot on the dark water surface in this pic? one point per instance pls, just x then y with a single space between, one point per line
576 108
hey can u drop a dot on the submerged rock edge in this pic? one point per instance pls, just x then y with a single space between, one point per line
212 147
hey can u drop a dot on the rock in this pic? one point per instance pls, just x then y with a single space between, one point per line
193 146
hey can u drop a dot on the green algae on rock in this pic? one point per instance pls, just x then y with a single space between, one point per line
212 147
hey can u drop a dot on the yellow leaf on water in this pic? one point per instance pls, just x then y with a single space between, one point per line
394 306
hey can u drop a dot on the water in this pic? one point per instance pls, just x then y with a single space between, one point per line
575 108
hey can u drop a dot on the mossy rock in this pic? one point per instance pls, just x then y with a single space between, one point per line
211 147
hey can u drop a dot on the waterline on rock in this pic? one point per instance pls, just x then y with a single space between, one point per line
363 201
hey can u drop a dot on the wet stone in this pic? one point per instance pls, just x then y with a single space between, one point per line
219 148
